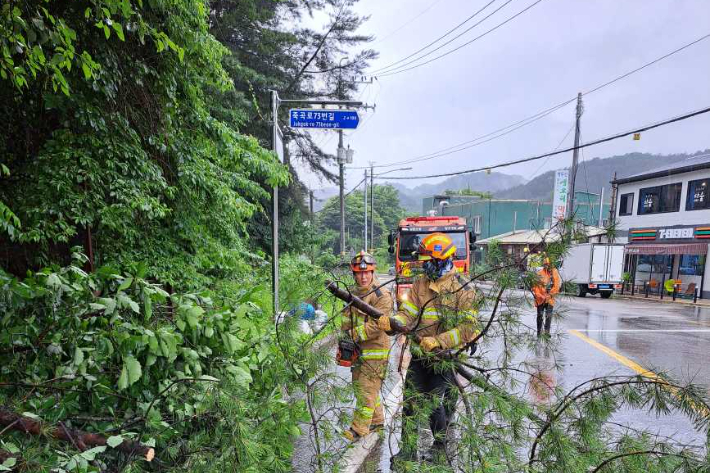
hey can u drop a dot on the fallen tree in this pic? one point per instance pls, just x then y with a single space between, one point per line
80 439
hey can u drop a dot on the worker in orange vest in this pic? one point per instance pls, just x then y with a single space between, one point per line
548 284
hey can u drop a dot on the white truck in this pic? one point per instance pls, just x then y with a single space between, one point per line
594 268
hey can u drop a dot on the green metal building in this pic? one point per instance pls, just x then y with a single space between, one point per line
489 217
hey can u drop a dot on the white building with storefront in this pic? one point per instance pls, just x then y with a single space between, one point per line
664 215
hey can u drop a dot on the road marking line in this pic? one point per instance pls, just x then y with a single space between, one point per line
700 409
617 356
670 330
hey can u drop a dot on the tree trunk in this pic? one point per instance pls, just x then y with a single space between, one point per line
82 440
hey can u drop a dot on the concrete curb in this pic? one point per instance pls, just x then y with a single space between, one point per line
666 300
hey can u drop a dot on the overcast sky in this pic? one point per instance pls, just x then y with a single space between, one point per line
539 59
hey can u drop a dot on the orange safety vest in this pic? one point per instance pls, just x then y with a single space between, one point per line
542 295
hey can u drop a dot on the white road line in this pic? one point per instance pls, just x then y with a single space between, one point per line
700 330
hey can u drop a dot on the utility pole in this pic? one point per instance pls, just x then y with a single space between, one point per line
372 205
364 193
575 158
342 159
310 193
601 208
612 207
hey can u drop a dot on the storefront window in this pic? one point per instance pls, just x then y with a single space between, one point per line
660 199
626 204
698 195
656 264
691 265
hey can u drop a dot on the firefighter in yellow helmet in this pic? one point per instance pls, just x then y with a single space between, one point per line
440 308
373 345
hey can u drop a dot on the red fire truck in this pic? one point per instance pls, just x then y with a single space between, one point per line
404 241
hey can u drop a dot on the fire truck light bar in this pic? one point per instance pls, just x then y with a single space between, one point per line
458 228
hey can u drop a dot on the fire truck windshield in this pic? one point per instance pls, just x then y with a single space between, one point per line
409 242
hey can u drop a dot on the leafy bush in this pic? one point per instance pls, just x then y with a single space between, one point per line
196 374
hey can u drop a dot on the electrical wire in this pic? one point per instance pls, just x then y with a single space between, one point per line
556 148
499 25
553 153
477 141
354 188
623 76
391 66
543 113
388 35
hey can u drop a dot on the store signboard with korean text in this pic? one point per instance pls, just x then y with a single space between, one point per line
323 119
559 201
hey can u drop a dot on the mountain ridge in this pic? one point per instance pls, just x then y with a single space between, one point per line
592 175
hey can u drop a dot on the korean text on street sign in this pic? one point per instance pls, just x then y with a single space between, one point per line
324 119
559 202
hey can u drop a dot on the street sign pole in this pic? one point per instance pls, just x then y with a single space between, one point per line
341 164
275 209
323 119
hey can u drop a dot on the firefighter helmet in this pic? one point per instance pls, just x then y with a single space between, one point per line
362 262
436 245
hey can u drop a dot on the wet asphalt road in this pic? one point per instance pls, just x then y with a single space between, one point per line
667 337
660 337
602 337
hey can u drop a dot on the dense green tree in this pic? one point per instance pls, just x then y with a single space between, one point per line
388 212
271 50
114 146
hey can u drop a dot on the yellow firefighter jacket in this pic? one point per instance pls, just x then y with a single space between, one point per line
374 343
443 309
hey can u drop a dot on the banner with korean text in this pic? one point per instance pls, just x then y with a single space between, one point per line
559 201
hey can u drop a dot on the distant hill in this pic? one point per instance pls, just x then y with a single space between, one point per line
411 199
593 174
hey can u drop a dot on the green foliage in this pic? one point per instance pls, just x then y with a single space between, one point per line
388 212
131 159
192 372
469 192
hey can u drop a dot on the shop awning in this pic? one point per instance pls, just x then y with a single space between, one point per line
670 249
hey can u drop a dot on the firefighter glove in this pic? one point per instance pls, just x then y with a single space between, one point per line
429 344
384 324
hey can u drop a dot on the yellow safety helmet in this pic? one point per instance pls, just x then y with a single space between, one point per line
437 246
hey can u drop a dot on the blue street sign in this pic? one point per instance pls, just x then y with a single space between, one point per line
323 119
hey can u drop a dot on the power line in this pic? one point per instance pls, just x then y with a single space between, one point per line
556 148
542 114
623 76
390 66
477 141
349 192
499 25
354 188
553 153
388 35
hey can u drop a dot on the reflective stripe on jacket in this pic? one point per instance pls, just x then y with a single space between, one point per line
448 310
374 343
